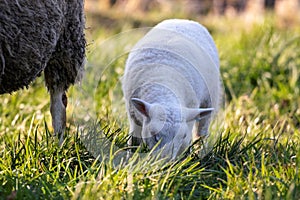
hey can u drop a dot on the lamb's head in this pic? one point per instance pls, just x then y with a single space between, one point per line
168 127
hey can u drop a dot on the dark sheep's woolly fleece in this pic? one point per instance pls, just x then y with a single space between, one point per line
38 36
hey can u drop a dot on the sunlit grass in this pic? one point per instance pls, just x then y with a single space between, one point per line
256 157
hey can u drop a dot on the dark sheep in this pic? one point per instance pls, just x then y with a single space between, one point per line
37 36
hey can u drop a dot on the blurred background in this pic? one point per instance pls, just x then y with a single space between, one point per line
251 35
111 13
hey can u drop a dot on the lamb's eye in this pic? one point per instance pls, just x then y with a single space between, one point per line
153 133
157 138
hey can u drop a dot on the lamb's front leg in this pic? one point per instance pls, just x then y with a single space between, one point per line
135 138
58 104
200 129
135 134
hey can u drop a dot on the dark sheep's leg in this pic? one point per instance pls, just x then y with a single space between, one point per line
58 104
66 64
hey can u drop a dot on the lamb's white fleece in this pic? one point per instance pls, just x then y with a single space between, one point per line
195 32
175 65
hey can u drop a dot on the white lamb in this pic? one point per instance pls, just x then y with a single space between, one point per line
171 85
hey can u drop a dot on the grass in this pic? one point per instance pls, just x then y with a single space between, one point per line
256 154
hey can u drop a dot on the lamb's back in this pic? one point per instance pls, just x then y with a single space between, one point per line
195 32
186 49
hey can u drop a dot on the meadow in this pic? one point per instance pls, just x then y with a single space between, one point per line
256 149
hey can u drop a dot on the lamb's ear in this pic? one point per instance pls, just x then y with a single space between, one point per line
196 113
142 106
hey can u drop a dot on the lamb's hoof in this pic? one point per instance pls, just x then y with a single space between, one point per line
60 136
